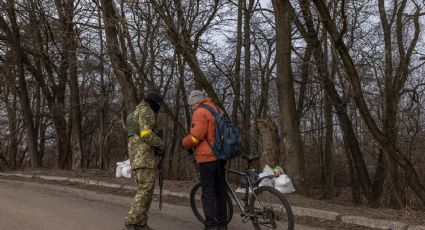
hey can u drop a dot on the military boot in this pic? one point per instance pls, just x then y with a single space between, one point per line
137 227
129 227
142 227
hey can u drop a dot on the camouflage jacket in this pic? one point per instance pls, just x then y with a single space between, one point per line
141 144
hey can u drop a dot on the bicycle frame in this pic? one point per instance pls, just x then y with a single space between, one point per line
251 185
251 206
233 194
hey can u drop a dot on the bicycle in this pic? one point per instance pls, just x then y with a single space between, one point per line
264 206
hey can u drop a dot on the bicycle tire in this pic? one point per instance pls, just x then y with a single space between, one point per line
195 210
280 197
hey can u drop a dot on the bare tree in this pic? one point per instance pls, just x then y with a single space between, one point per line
9 96
181 39
295 164
14 39
383 140
353 151
117 55
65 11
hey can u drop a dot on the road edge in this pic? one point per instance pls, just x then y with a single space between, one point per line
298 211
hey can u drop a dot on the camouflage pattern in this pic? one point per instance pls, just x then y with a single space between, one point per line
145 180
142 150
142 160
132 125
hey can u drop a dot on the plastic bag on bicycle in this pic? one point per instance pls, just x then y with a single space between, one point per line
243 180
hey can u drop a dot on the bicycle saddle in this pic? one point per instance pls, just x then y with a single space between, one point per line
250 157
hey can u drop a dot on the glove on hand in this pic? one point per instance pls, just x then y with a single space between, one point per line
190 151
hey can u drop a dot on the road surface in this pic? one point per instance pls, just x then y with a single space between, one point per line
33 206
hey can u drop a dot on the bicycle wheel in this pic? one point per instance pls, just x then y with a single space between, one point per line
270 209
196 204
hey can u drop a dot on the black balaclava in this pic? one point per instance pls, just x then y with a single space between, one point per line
154 100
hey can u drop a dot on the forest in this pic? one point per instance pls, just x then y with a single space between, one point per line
331 90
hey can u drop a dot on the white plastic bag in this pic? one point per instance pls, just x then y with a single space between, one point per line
126 171
264 174
284 184
267 171
123 169
118 170
289 188
266 182
242 190
282 180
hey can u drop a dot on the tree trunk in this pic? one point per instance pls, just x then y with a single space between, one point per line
269 139
120 67
185 48
327 151
23 91
295 164
39 120
69 38
11 107
237 82
76 141
175 138
394 81
350 140
385 143
247 78
305 71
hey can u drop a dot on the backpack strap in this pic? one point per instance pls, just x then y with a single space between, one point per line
209 108
214 113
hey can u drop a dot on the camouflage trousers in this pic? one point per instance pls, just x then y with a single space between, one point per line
145 181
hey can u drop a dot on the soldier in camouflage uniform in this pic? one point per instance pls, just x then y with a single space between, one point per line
142 142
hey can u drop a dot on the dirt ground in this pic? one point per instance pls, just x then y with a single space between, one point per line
341 205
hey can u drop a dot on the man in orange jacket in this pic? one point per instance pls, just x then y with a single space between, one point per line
201 138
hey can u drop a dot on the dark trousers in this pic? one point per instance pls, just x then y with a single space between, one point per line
214 194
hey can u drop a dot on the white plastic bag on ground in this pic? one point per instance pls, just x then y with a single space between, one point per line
284 184
242 190
123 169
282 180
289 188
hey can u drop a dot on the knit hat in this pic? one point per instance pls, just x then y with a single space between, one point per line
196 96
154 96
154 99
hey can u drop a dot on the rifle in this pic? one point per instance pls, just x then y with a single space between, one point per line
159 167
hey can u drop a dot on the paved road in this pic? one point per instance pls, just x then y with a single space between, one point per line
32 206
